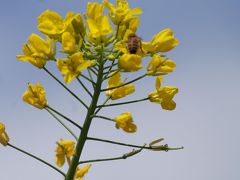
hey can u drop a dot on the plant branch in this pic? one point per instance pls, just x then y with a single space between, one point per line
103 117
92 70
154 148
122 103
136 79
37 158
67 128
65 87
124 156
60 114
84 87
106 100
89 79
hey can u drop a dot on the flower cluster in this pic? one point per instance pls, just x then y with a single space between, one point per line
100 47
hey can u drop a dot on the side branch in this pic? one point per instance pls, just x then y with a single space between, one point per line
37 158
65 87
69 120
65 126
122 103
136 79
103 117
150 147
84 87
124 156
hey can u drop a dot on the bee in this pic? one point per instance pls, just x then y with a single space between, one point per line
133 43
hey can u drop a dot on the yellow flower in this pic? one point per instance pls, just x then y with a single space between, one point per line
117 93
94 10
130 62
164 41
38 51
125 122
72 66
35 96
51 24
4 139
65 149
163 95
121 13
80 173
69 43
158 65
99 28
74 25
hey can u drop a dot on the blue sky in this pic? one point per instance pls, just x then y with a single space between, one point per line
205 122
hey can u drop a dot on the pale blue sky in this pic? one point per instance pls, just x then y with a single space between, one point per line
206 120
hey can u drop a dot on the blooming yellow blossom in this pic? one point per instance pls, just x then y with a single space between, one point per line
99 28
38 51
35 96
158 65
69 43
74 25
80 173
72 66
125 122
120 92
164 41
94 10
53 25
130 62
163 95
4 139
65 149
121 13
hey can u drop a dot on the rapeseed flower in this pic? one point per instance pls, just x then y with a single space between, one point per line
125 122
4 139
64 149
35 96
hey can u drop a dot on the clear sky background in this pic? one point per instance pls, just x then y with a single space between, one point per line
205 122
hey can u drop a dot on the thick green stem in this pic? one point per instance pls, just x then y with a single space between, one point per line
86 126
37 158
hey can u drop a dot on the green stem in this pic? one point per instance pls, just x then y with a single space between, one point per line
103 117
37 158
125 156
89 79
87 123
67 128
110 71
122 103
136 79
92 70
106 100
154 148
84 87
60 114
107 77
65 87
118 143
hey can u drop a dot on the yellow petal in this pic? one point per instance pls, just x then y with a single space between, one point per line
130 62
